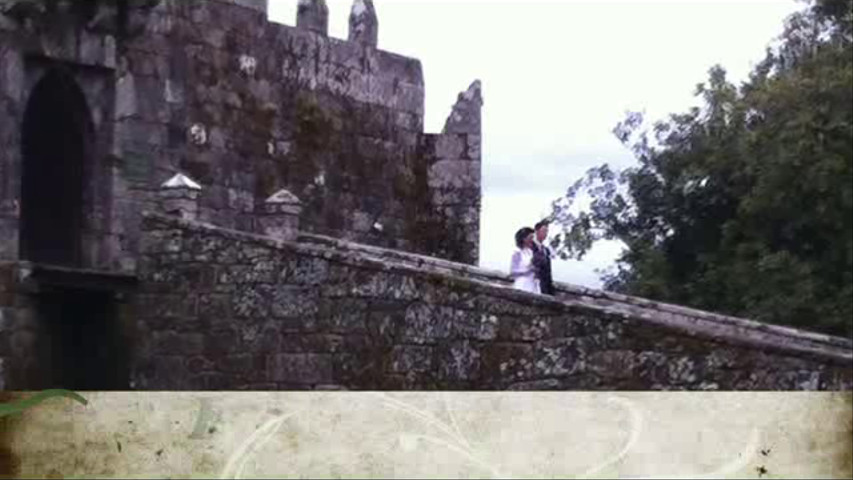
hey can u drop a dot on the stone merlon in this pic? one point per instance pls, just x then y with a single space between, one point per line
363 23
313 15
465 117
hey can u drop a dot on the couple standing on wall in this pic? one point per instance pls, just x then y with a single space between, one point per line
531 263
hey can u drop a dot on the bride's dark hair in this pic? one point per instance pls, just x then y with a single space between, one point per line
521 235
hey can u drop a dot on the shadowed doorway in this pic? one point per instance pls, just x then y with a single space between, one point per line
86 348
56 145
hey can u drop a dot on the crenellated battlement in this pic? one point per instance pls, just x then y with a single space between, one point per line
313 16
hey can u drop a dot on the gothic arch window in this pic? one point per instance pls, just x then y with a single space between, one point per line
57 143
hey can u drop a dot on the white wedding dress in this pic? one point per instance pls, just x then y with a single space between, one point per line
521 269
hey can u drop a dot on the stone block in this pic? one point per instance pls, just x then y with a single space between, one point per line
199 364
305 271
458 361
559 357
454 174
174 343
311 343
165 307
294 302
8 239
252 301
12 71
384 286
126 97
346 54
91 49
449 196
409 98
222 342
615 364
259 336
687 370
243 364
408 121
410 358
475 326
301 368
473 147
530 329
8 277
506 363
214 306
652 367
8 317
450 147
425 324
343 315
408 70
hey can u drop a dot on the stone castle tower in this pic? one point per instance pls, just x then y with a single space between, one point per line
129 93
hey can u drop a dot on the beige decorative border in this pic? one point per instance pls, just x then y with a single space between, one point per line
433 435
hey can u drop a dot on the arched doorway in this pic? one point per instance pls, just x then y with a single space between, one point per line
81 346
56 145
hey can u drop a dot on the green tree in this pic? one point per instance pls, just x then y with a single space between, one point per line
744 205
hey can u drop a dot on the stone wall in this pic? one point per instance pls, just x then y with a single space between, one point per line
221 309
334 122
245 107
454 172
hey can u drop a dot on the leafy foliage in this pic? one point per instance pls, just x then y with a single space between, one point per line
745 205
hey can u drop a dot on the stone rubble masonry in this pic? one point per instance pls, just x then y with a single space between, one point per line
223 309
246 107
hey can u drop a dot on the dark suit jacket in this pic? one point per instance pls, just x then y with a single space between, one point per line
542 262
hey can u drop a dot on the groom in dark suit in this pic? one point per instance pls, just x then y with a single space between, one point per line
542 258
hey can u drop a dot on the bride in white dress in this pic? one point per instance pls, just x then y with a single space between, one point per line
521 268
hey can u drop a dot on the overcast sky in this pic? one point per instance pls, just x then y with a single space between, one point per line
557 77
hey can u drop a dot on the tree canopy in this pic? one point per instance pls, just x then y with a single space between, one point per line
743 205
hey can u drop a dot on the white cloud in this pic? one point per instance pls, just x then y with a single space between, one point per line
557 76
